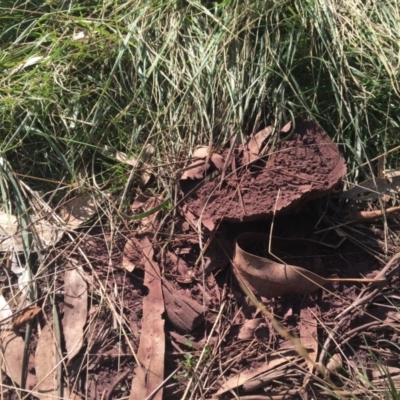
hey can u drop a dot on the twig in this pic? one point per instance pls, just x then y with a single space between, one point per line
364 297
115 383
150 396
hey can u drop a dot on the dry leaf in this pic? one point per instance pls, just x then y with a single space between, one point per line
287 128
8 225
334 364
47 233
121 156
75 309
12 346
150 374
391 173
46 365
26 316
309 335
33 60
201 152
196 170
247 330
372 190
135 162
78 210
245 376
5 310
131 256
183 312
218 161
147 154
11 234
269 278
150 223
254 145
200 164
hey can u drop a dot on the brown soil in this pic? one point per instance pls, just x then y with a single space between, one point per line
199 277
303 167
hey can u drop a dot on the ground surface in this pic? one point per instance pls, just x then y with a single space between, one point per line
212 331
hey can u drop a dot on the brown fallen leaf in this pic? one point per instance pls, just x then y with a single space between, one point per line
196 170
183 312
309 336
27 315
253 146
217 255
147 154
248 375
140 200
121 156
150 223
75 309
11 234
131 257
201 164
334 364
150 374
201 152
287 128
78 210
218 161
132 160
12 353
5 312
46 365
268 278
247 330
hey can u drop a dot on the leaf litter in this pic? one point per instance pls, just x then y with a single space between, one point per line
75 309
163 306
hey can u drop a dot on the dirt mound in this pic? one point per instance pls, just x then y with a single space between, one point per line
302 166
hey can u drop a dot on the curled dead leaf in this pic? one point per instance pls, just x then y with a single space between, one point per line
269 278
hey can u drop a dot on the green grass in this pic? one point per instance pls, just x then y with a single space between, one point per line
181 73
